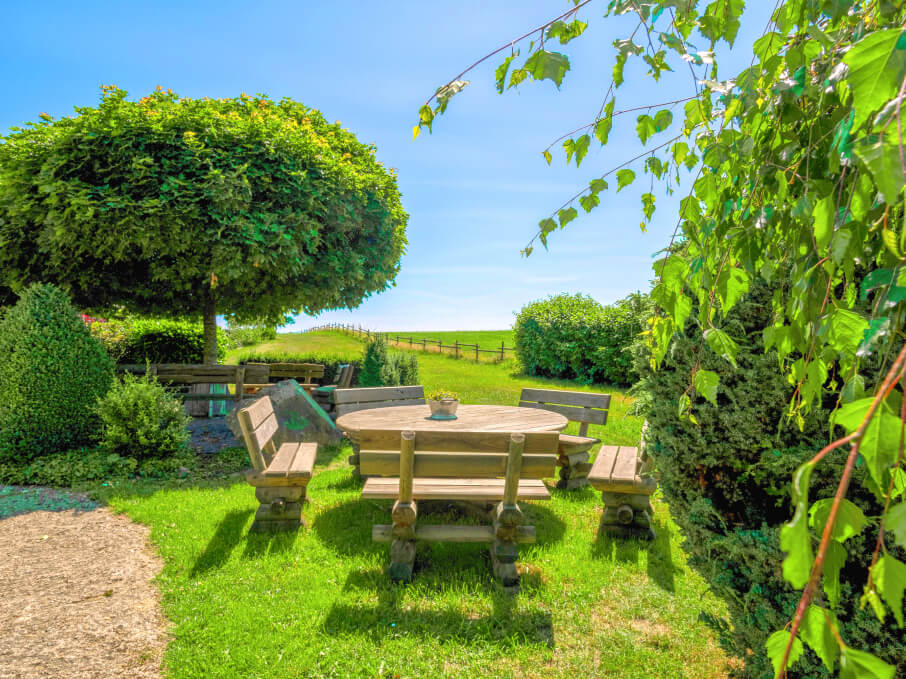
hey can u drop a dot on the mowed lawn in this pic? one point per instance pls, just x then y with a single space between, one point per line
318 603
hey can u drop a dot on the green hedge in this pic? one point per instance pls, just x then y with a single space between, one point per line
574 337
52 372
156 340
727 482
383 368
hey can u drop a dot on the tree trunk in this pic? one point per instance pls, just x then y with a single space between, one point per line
210 330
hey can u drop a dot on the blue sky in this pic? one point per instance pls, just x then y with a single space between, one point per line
475 189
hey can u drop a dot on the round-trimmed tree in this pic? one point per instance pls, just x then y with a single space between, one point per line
245 207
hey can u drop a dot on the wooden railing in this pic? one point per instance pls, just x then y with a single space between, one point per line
457 349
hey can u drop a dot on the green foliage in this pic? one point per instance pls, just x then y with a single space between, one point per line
383 368
51 374
141 420
247 335
331 362
729 482
574 337
160 340
179 206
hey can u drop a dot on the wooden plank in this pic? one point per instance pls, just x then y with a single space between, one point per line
569 412
625 464
265 431
443 464
248 431
283 460
452 441
489 490
447 533
304 462
353 407
259 480
513 469
566 398
258 411
363 395
603 465
406 465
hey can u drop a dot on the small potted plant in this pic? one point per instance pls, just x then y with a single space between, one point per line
443 405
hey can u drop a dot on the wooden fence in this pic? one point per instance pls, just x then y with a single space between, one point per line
457 349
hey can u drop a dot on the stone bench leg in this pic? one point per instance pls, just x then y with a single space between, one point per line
574 471
280 508
505 549
627 515
402 549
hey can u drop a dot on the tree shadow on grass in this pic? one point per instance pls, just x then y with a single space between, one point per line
510 621
229 533
660 566
261 544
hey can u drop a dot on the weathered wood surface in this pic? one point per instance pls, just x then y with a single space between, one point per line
367 394
346 408
587 415
615 470
476 418
454 441
582 399
443 464
478 490
570 445
448 533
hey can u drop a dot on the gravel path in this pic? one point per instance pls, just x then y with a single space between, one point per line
76 598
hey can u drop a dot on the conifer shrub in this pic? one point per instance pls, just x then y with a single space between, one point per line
51 374
382 368
727 483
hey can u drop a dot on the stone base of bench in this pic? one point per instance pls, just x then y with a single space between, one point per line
627 515
280 509
574 471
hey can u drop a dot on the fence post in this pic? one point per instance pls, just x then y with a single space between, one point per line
456 348
476 352
501 351
424 345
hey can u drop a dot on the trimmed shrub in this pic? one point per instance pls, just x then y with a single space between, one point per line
727 482
158 340
141 420
575 337
51 375
381 368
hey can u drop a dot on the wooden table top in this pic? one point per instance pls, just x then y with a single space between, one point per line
468 418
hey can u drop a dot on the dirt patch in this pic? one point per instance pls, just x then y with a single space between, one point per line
76 598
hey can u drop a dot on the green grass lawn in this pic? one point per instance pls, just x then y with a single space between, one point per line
317 603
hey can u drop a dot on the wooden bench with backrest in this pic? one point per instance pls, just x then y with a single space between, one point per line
179 375
342 380
625 480
576 406
303 373
496 468
281 470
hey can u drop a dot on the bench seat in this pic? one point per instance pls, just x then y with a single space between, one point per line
625 492
476 490
571 445
292 461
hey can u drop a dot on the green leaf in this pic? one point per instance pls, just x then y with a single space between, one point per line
618 67
895 522
581 148
889 576
876 68
824 221
876 279
880 443
816 632
589 202
625 177
567 215
721 344
500 73
794 536
648 205
679 150
597 185
840 244
604 125
847 329
645 127
881 156
706 383
662 120
547 65
547 156
566 31
861 665
732 284
834 560
850 519
776 646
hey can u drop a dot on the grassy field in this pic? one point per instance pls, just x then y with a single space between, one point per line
318 603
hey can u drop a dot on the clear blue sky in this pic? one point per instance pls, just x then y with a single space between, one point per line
475 189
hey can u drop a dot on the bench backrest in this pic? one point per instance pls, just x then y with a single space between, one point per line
189 374
351 400
344 376
302 372
259 424
458 454
576 406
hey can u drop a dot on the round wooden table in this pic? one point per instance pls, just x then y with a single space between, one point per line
468 418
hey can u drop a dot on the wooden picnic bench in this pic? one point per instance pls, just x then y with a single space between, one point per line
496 468
178 374
576 406
625 481
281 471
303 373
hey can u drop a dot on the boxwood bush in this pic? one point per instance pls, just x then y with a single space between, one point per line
51 374
575 337
156 340
727 482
